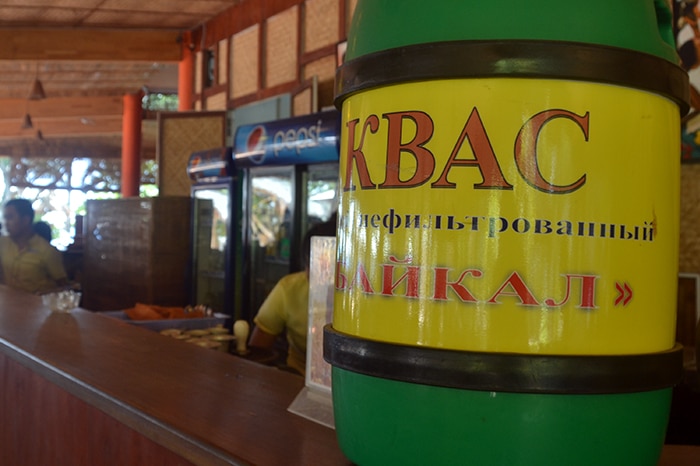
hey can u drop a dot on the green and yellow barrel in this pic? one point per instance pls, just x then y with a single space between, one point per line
508 233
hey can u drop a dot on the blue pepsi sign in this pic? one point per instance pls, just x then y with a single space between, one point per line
306 139
210 164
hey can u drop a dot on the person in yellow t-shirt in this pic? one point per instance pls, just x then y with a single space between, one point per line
286 308
29 263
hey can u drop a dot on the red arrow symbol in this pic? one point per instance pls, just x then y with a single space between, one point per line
629 295
620 294
624 294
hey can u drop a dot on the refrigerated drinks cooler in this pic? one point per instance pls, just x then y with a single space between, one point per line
215 191
289 171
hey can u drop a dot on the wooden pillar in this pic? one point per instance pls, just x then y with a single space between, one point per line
185 75
131 144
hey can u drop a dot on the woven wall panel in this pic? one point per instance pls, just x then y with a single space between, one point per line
302 102
217 101
281 41
320 24
245 49
689 259
222 61
324 68
179 137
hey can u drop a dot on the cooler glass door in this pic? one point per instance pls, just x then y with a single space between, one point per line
270 224
211 220
321 194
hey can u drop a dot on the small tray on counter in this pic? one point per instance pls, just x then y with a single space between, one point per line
162 324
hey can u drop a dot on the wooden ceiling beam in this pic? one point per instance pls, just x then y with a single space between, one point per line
90 44
107 148
65 127
86 146
69 118
62 107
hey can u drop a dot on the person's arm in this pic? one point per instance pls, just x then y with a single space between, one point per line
261 339
54 267
270 320
62 282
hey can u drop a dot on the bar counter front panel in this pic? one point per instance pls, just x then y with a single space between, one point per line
86 389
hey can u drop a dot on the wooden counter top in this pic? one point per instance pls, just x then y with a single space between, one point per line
680 455
207 406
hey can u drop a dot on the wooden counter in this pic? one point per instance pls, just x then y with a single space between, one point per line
680 455
85 389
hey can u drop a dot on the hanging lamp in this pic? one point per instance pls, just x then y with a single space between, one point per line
27 122
37 92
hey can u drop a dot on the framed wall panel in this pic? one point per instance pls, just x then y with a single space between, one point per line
281 47
245 52
180 134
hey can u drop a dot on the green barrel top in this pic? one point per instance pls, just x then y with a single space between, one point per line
640 25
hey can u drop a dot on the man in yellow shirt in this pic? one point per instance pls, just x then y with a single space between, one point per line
29 263
287 307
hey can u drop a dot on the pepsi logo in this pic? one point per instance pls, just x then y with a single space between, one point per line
255 144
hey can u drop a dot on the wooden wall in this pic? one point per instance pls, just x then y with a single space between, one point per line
689 254
43 424
136 250
689 259
259 49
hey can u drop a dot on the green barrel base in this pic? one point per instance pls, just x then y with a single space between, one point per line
384 422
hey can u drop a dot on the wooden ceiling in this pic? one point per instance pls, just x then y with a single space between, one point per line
87 54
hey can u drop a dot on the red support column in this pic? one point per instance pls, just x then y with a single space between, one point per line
131 144
185 75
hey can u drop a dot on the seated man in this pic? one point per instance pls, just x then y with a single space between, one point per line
28 262
287 307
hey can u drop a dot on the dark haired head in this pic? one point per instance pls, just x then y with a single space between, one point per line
23 207
327 228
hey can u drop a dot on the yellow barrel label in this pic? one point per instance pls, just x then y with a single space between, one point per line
510 215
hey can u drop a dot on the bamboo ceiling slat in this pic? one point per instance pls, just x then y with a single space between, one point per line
88 54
